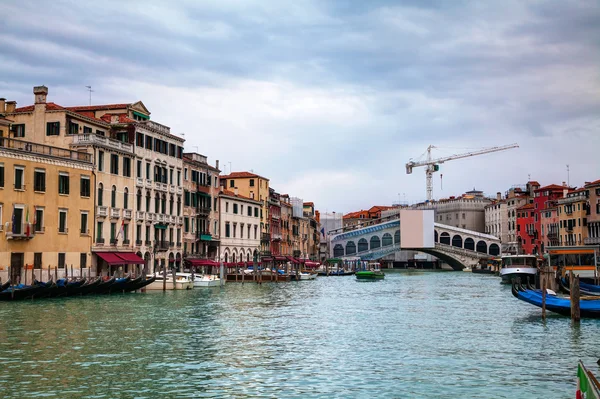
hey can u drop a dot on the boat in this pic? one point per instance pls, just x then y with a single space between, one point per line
584 288
203 280
518 266
182 281
90 286
581 260
105 284
467 269
587 308
142 283
304 276
123 284
4 286
370 275
20 291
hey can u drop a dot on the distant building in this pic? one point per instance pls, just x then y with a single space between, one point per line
526 228
593 219
240 226
572 215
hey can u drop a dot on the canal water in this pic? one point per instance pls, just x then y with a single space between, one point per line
413 335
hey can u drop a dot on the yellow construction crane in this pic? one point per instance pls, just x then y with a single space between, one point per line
433 165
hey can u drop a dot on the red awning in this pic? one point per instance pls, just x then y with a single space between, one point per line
293 260
267 259
129 258
308 263
280 258
202 262
110 257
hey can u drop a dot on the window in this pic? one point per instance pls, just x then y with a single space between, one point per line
82 260
113 232
139 169
39 180
126 198
139 140
248 231
100 132
148 199
148 170
52 128
234 229
170 176
114 164
241 230
249 210
226 206
255 230
126 234
255 212
73 128
19 183
63 183
61 260
1 175
186 198
84 184
231 183
185 174
37 260
179 178
251 182
18 130
148 142
138 233
100 161
99 228
235 208
84 223
39 220
186 225
62 221
87 129
100 194
139 200
126 167
113 197
227 230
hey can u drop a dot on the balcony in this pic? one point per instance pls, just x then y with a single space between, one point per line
139 215
138 243
41 149
102 211
203 210
275 216
100 241
265 237
160 186
568 210
179 190
113 241
115 213
591 241
178 244
18 231
161 245
148 243
127 213
126 242
304 237
160 217
171 244
276 237
172 189
569 227
148 183
139 182
86 139
179 219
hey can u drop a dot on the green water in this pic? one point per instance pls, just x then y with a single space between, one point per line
421 335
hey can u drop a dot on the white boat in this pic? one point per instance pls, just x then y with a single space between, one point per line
182 282
521 266
203 280
306 276
467 269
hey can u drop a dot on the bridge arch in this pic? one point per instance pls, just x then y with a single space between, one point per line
338 250
494 249
397 237
457 241
445 238
350 248
435 236
363 245
387 240
469 244
481 247
375 242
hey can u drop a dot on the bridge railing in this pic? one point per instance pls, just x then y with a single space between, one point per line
366 223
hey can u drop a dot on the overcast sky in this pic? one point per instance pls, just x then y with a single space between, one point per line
330 99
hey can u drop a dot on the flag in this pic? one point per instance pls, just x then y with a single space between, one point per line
121 229
34 217
27 228
323 231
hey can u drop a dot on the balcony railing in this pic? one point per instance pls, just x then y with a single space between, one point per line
115 213
203 210
160 217
113 241
276 237
148 183
139 215
265 237
172 189
18 231
178 244
138 243
160 186
179 190
304 237
148 243
161 245
102 211
591 240
41 149
126 242
94 139
139 182
127 213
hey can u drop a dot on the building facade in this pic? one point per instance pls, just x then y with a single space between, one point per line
526 234
496 219
572 216
275 223
466 211
240 227
593 217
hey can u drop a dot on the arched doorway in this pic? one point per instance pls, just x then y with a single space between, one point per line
457 241
350 248
469 244
178 261
375 242
445 238
495 249
481 247
338 250
387 240
363 245
172 261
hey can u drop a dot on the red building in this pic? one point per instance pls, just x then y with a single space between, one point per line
544 201
526 234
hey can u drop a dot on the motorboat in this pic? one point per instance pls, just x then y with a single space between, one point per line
183 281
301 276
518 266
373 272
203 280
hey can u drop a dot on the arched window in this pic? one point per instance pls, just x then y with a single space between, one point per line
148 199
100 194
375 242
495 249
171 202
126 198
113 197
178 206
457 241
482 247
226 256
350 248
338 250
469 244
445 238
363 245
163 204
233 257
156 203
397 237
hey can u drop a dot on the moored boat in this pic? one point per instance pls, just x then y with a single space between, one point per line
370 275
20 291
203 280
182 282
518 266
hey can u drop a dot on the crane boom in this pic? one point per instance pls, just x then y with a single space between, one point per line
432 165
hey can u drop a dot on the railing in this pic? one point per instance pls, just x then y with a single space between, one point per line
203 210
304 237
18 231
172 189
572 243
100 241
178 244
20 145
126 242
115 213
276 237
591 240
94 139
160 217
139 215
148 183
161 245
127 213
179 219
113 241
275 216
138 243
160 186
265 237
139 182
171 244
102 211
179 190
148 243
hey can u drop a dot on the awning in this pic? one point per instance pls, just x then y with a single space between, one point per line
308 263
265 259
280 258
205 237
293 260
120 258
202 262
161 226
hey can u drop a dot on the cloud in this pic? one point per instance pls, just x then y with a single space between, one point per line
330 99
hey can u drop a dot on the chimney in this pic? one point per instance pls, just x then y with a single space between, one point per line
217 164
498 196
235 191
11 106
40 93
564 184
2 105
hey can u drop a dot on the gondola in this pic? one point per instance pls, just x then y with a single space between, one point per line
588 308
119 285
566 288
49 288
20 291
90 286
105 285
142 283
4 286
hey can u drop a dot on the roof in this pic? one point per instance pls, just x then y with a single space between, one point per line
232 194
593 183
526 206
552 187
98 107
241 175
309 204
49 107
533 183
377 208
108 118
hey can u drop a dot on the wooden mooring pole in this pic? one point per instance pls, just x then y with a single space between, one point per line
543 299
575 296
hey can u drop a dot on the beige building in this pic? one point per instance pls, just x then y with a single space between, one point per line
593 219
239 226
572 216
496 219
46 208
200 211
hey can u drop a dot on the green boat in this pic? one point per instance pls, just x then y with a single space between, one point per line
370 275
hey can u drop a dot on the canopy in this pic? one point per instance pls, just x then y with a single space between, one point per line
202 262
293 260
280 258
309 263
267 259
120 258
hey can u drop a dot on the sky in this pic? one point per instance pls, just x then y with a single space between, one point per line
330 99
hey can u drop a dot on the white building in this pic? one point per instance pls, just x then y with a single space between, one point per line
239 221
496 219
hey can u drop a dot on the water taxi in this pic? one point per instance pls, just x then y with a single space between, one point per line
373 272
581 260
182 282
522 266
